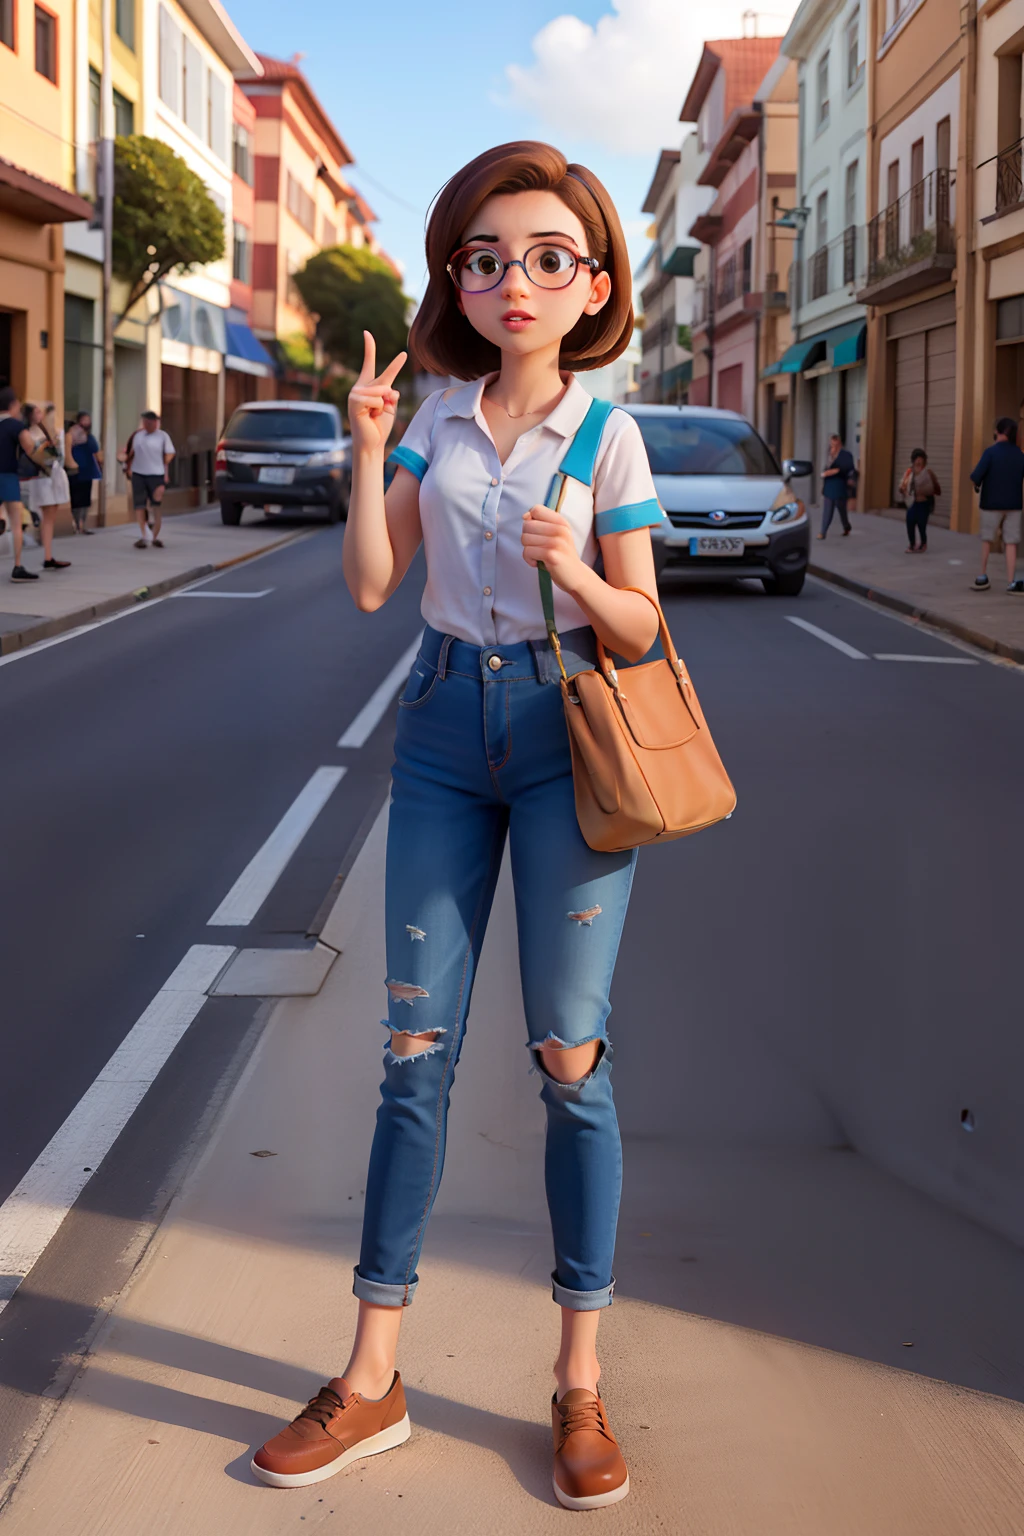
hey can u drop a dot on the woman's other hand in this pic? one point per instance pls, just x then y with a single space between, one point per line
547 537
373 401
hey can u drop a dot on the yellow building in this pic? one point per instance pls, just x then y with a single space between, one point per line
37 174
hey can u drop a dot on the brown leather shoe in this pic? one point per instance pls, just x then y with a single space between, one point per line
589 1468
335 1428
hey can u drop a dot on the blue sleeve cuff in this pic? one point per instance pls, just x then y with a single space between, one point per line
415 463
639 514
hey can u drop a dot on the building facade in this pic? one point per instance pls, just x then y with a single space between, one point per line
827 362
665 279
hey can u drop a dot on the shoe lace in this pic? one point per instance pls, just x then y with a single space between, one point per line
585 1415
321 1408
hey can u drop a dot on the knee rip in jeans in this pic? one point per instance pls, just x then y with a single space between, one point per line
412 1046
546 1059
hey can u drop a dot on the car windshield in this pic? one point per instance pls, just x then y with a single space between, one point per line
704 445
258 426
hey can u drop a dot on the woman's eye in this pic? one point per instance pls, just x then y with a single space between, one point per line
552 259
484 264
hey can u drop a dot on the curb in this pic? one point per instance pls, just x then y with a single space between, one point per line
46 629
921 615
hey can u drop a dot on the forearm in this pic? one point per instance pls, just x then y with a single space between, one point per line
624 622
368 556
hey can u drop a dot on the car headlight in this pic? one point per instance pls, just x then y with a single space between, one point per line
328 456
789 512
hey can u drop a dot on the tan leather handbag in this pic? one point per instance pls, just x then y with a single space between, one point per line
644 766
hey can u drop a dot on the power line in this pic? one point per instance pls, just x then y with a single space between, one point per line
387 191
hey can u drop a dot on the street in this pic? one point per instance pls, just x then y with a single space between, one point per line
817 1070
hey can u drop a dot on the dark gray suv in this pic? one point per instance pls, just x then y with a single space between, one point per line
283 453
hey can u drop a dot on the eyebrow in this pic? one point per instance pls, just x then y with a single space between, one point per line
538 234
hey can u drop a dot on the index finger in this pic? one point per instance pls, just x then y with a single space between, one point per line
369 358
393 369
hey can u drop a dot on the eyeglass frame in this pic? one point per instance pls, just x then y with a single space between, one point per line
590 262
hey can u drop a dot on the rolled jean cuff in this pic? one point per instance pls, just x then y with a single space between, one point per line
582 1301
382 1295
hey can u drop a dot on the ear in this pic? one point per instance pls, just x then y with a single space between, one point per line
600 293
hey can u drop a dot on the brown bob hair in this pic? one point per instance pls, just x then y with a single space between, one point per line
441 338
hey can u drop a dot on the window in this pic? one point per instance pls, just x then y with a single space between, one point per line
46 44
170 61
270 424
124 116
94 105
850 194
893 186
747 263
822 219
704 445
7 22
124 22
942 144
854 62
242 157
217 116
823 89
328 233
300 205
241 262
192 87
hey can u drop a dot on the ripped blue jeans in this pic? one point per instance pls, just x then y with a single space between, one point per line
482 753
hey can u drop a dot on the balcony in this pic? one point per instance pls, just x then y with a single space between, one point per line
1009 180
912 244
833 267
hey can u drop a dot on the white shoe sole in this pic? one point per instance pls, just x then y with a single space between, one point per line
591 1500
385 1441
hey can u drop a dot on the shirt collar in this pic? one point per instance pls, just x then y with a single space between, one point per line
565 419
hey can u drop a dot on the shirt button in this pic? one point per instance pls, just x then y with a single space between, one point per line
488 535
487 591
494 482
494 662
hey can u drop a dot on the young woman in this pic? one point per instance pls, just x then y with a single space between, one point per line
47 492
82 449
919 488
529 281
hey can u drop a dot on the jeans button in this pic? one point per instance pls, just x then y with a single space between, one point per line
494 662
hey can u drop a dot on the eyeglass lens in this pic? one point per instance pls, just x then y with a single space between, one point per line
549 266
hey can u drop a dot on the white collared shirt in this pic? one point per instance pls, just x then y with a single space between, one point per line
479 588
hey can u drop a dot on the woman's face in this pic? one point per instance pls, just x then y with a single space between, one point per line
36 417
517 315
917 464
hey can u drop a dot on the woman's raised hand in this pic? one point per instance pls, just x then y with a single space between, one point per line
373 400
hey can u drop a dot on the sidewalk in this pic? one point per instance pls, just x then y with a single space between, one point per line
243 1303
934 587
108 573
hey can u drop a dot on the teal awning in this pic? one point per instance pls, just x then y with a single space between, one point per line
682 373
773 368
803 354
680 262
846 343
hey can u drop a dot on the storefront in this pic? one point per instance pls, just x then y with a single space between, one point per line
828 383
922 343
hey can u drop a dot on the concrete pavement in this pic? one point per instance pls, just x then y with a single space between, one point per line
108 573
934 587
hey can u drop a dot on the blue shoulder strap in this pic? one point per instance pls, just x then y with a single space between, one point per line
581 455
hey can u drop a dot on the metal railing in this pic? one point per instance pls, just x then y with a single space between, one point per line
1009 177
733 280
838 264
918 226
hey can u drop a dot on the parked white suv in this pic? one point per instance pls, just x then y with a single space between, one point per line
731 510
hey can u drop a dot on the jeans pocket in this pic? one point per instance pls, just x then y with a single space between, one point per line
422 681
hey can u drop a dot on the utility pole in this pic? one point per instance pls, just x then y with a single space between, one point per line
106 179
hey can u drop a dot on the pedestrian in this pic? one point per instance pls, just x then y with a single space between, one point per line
999 477
835 485
147 459
919 488
15 442
44 487
482 752
83 451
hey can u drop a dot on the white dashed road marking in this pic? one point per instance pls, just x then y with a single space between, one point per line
823 634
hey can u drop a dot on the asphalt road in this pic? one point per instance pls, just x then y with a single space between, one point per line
822 947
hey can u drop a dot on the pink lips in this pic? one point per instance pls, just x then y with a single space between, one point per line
516 319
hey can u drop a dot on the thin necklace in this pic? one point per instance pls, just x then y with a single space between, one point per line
521 415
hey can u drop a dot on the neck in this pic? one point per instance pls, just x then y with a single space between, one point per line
528 384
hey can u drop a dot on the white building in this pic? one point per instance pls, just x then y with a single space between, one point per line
826 359
665 278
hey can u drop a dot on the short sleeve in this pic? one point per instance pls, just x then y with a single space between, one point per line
624 495
413 452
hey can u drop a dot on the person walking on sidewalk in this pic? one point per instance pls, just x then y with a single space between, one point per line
835 485
44 490
999 477
482 754
919 488
147 459
82 450
14 441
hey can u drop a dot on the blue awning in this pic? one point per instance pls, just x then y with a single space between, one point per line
846 343
246 349
803 354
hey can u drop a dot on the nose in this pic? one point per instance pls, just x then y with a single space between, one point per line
515 284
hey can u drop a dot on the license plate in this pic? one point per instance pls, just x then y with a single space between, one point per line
715 544
277 474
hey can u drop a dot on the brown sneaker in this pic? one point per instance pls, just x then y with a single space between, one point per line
589 1468
335 1428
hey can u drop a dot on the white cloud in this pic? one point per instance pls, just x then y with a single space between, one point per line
622 82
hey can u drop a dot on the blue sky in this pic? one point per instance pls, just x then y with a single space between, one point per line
417 89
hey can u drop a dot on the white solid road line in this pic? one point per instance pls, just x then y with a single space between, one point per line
942 661
372 712
191 592
823 634
261 874
32 1213
72 634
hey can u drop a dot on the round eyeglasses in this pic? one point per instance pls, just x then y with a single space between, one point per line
478 269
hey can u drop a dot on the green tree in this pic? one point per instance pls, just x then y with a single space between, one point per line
164 218
351 290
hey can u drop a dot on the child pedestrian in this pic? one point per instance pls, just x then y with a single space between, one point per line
919 488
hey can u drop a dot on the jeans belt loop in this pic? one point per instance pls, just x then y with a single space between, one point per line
442 657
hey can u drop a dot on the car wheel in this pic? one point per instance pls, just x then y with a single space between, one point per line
231 513
790 584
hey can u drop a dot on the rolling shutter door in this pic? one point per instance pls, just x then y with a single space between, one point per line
940 414
909 404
